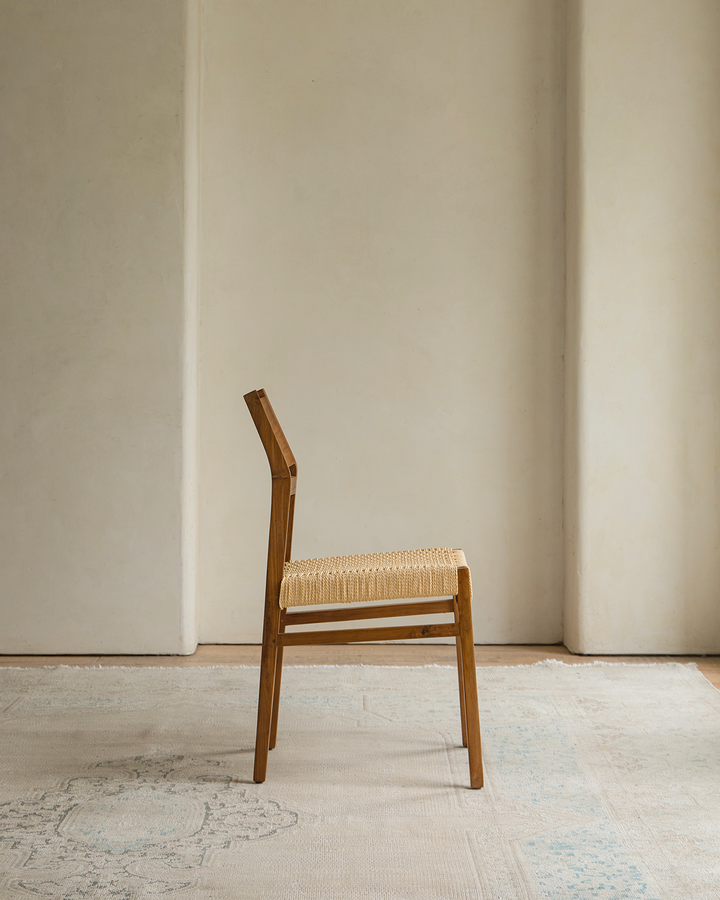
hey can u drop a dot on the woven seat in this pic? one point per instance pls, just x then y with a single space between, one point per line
352 586
371 576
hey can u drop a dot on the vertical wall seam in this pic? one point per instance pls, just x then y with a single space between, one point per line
189 488
572 548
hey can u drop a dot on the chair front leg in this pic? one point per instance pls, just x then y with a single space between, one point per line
469 679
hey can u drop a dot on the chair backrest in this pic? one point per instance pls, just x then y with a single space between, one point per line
280 456
284 479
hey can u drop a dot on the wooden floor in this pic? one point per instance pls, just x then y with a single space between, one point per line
367 654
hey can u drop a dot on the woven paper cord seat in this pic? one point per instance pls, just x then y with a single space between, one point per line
371 576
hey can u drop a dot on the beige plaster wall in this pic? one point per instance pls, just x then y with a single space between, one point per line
382 250
91 327
381 245
642 491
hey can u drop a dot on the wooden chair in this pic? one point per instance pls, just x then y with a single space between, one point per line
347 580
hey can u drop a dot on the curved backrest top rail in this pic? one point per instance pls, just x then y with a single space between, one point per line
280 456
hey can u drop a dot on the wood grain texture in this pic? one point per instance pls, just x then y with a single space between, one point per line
283 469
468 693
360 635
352 613
461 680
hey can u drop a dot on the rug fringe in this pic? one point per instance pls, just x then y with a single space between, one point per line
543 663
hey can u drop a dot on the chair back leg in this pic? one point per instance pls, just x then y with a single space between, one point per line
276 691
461 677
268 664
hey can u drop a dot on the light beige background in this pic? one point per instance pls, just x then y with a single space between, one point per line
371 210
382 192
91 327
644 560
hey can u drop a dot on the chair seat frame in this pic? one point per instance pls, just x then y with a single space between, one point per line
283 468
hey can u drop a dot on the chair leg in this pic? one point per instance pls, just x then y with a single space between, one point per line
470 679
276 691
461 685
265 697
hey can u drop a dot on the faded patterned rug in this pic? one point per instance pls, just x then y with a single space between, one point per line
602 781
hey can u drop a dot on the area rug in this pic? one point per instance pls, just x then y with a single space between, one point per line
602 781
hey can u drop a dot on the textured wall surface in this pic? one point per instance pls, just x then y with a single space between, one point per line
643 335
367 202
382 250
91 325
